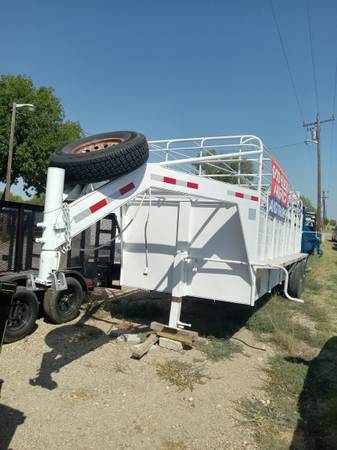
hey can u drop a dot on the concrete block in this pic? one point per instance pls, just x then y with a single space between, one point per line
132 338
170 344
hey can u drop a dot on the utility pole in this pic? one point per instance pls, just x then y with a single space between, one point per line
10 154
315 128
324 199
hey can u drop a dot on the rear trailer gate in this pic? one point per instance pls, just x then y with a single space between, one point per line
206 217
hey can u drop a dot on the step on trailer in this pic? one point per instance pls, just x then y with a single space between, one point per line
183 231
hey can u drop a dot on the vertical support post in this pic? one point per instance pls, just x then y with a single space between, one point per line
49 258
175 312
179 264
19 241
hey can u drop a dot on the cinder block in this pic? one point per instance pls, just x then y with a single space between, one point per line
132 338
170 344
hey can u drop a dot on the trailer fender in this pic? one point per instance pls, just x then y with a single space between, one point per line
84 282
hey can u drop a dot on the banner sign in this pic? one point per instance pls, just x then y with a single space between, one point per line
278 199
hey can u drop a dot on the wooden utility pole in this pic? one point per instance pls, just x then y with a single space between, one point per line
324 199
315 128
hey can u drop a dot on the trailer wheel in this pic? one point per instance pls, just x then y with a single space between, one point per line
22 316
297 279
102 156
63 306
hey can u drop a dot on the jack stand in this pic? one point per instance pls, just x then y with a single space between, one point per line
175 311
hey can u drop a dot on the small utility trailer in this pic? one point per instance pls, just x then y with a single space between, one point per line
211 217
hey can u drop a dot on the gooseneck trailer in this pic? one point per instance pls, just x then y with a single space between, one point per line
211 217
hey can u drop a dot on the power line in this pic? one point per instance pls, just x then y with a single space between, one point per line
334 91
312 56
286 145
286 60
333 114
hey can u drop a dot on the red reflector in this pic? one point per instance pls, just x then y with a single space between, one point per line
170 180
98 205
238 194
126 188
90 284
255 199
192 185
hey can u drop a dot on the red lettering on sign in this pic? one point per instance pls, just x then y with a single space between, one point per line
279 184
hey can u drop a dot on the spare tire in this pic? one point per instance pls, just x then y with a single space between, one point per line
101 156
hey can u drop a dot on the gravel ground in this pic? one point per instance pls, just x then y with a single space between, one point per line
77 387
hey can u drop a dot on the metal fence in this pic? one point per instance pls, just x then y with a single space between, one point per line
92 253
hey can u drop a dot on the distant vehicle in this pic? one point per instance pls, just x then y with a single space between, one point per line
334 235
311 240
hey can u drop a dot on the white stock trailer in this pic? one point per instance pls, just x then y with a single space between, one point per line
183 231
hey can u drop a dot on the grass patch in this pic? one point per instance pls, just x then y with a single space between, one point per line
276 323
181 374
299 405
216 349
168 444
313 285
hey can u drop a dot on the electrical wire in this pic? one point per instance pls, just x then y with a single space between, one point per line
333 122
286 60
286 145
312 56
334 91
106 244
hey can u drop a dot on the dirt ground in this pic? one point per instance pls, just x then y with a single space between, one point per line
75 385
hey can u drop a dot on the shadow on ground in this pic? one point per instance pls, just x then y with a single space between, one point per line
70 342
67 343
317 406
207 317
10 419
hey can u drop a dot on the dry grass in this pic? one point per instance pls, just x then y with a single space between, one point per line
181 374
216 349
168 444
299 408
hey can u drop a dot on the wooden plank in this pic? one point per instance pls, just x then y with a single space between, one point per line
176 337
140 349
159 327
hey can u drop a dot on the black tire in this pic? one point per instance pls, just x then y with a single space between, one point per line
101 156
63 306
23 315
297 279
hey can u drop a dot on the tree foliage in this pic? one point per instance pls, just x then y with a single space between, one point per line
228 168
307 203
37 134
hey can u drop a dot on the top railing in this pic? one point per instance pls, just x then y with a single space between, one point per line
233 159
239 159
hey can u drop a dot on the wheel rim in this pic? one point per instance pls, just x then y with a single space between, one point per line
67 303
96 145
19 316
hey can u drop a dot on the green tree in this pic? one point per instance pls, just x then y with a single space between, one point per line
37 134
220 168
307 203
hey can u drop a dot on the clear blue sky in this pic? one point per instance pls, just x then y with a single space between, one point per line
183 69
